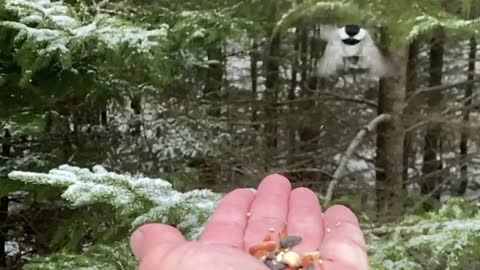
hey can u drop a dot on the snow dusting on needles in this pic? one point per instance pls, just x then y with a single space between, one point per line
55 11
114 33
128 194
12 248
65 21
32 19
108 30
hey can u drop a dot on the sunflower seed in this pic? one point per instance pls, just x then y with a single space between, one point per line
275 265
290 241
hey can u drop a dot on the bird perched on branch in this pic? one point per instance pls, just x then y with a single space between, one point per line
351 45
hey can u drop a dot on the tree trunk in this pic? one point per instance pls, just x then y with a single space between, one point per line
4 230
466 117
309 132
104 117
431 156
411 85
309 129
270 98
390 137
254 80
213 84
292 129
6 148
136 105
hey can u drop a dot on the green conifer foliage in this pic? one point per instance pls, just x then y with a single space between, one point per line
449 238
51 51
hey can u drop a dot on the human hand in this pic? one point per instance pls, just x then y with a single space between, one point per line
243 219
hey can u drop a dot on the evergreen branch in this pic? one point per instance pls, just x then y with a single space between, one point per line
326 12
428 23
446 225
129 194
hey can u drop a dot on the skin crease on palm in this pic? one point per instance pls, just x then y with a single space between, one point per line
224 243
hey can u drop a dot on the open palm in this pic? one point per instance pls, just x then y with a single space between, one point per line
243 219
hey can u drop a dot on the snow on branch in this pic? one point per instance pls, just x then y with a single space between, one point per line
446 238
129 195
51 31
57 15
427 23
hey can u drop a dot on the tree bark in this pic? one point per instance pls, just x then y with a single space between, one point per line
136 105
6 148
462 188
254 81
390 136
104 117
309 129
309 132
214 78
270 98
411 85
432 155
292 129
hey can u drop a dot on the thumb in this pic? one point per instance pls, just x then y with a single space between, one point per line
160 237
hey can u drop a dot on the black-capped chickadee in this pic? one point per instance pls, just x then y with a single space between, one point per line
350 44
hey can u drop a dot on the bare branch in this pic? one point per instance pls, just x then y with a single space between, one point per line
350 151
370 103
441 87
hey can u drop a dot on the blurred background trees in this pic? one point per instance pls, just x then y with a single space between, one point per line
218 94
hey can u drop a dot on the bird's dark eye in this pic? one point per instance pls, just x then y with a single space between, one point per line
352 29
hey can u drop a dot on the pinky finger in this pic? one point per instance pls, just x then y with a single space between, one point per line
343 245
343 254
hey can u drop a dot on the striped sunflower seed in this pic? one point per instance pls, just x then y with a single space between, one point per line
290 241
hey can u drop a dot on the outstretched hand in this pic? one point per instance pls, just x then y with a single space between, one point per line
243 219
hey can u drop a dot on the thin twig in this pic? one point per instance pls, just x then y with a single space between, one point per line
350 151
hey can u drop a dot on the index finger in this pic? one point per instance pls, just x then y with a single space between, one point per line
228 222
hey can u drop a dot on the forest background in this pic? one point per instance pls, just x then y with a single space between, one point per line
116 113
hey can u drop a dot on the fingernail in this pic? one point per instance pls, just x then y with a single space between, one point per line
136 242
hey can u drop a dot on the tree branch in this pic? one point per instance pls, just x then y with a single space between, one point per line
441 88
342 167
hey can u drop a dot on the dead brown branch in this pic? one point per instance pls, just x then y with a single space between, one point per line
350 151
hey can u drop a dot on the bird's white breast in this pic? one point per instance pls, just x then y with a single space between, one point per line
351 50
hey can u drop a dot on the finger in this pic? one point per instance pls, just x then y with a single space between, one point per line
329 265
228 223
161 257
341 220
339 213
342 253
198 255
305 219
269 209
154 236
343 244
